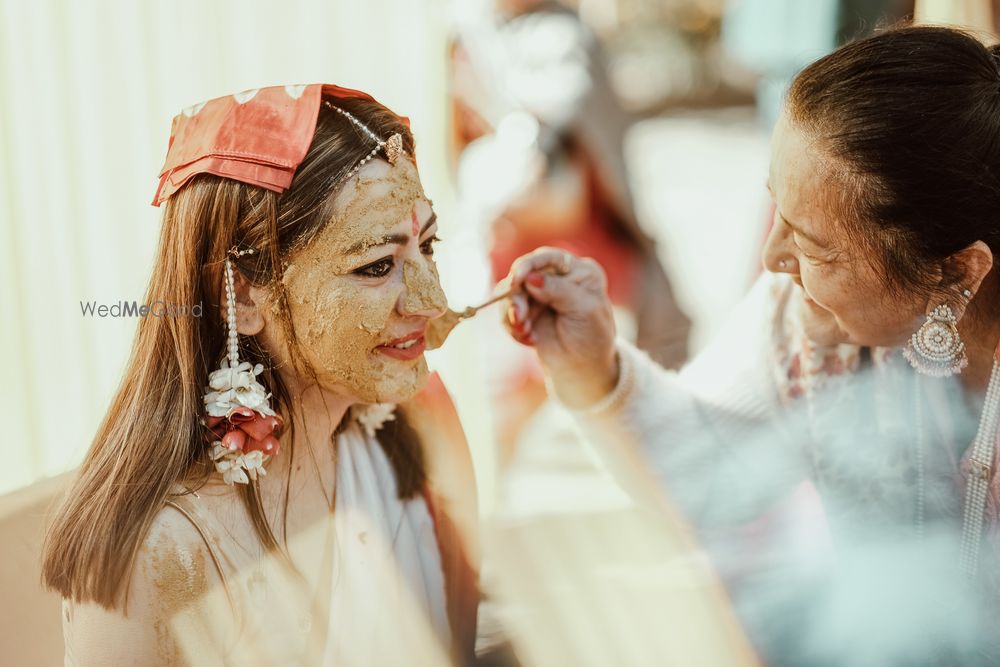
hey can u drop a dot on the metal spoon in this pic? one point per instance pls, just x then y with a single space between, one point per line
439 328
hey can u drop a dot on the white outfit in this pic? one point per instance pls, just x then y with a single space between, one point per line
761 411
388 566
380 600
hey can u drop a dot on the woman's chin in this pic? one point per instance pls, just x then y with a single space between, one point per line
400 381
821 326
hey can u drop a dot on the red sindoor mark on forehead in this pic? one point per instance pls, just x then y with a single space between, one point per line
415 223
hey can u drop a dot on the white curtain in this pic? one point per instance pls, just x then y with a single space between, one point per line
88 90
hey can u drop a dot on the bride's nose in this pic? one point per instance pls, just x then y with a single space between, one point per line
422 294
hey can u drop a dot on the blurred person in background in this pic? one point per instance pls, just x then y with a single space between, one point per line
866 360
539 132
777 38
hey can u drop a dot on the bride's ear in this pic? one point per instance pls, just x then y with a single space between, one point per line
249 305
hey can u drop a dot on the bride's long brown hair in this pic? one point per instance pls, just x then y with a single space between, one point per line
151 437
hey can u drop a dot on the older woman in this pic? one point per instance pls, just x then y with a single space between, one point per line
864 361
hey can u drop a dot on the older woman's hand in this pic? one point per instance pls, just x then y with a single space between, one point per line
561 307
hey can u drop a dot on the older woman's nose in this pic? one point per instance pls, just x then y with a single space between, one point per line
777 254
422 294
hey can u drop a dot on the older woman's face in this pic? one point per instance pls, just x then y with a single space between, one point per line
361 293
845 298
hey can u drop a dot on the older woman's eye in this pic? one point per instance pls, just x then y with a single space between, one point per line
379 269
427 247
812 259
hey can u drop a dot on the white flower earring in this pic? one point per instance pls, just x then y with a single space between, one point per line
935 348
242 427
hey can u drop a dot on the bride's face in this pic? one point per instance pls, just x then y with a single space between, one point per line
361 293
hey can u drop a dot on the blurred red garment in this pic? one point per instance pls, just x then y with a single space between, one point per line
598 236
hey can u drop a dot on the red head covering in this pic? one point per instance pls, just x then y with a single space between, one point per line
258 136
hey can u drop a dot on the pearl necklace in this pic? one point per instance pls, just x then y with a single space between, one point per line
979 477
983 448
920 446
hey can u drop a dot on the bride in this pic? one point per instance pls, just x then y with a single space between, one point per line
277 482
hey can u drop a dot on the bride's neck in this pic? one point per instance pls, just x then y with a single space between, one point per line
301 479
315 412
313 415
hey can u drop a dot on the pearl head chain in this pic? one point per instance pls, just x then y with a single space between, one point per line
234 356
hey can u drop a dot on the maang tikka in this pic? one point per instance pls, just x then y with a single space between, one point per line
393 146
935 348
242 427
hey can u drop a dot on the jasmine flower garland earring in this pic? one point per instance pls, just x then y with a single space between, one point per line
935 348
242 427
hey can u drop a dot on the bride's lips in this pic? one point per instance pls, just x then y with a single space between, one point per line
406 353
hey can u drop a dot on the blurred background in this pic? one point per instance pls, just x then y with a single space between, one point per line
632 131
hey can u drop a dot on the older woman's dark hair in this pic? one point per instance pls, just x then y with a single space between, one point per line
911 120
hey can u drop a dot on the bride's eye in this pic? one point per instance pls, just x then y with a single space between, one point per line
379 269
427 247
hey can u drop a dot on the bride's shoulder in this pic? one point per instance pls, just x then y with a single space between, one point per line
172 572
173 568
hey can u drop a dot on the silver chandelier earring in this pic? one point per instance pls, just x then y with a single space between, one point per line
935 348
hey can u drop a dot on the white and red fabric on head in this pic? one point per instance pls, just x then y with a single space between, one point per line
258 136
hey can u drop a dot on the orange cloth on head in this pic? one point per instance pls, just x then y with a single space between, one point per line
258 136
